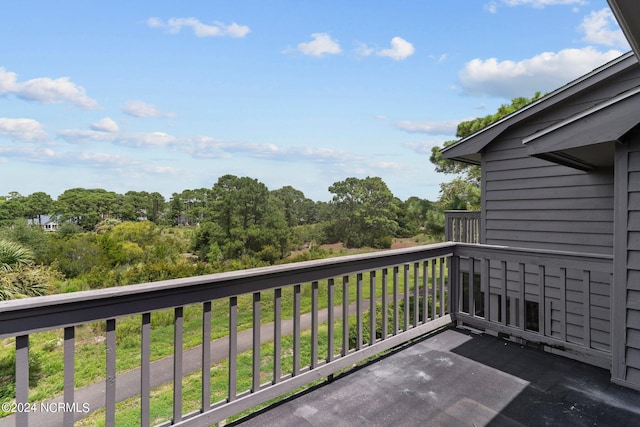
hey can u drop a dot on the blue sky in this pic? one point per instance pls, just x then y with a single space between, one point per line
166 96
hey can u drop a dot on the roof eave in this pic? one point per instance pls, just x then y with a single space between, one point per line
475 143
627 13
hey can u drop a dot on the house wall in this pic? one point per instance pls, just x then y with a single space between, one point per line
534 203
626 327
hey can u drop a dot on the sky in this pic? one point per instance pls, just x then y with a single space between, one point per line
167 96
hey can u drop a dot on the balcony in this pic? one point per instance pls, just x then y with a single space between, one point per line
296 325
462 226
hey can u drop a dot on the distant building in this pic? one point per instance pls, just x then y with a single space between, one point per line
46 222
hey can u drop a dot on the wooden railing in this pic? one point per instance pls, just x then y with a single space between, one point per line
356 307
462 226
397 295
560 300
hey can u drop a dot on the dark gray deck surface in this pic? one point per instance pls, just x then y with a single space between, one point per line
459 378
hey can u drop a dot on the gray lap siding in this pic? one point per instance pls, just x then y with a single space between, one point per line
533 203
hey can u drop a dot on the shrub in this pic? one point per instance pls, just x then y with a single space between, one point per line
366 331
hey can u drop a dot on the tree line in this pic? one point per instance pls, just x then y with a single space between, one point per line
109 239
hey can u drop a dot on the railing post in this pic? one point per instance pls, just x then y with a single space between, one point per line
145 370
454 285
69 370
110 392
22 378
447 226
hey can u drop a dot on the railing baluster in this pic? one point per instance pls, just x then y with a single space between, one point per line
406 296
345 315
177 363
330 319
145 370
358 311
314 325
542 321
296 330
433 288
372 307
563 304
110 392
454 283
441 298
206 356
485 284
396 309
22 378
233 349
255 386
277 335
472 286
503 294
587 307
69 368
460 278
425 291
416 293
385 317
523 295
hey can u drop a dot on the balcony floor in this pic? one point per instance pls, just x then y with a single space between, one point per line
456 378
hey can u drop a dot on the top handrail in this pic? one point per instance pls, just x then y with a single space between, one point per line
25 316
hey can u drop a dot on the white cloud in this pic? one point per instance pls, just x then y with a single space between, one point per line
600 27
142 109
22 129
216 29
45 90
431 128
492 6
31 153
322 44
105 125
543 3
400 49
147 139
139 139
422 147
543 73
206 147
362 49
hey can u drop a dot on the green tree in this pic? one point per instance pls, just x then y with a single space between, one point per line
365 212
38 204
416 212
464 191
86 207
12 207
243 218
297 208
141 205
